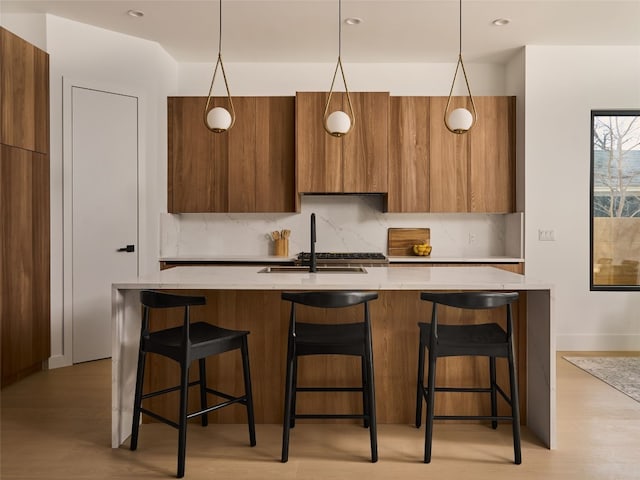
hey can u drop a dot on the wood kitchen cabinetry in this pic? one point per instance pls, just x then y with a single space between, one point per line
409 119
448 161
492 154
250 168
355 163
24 208
434 170
473 172
24 91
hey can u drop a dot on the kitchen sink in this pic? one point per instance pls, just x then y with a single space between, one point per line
320 269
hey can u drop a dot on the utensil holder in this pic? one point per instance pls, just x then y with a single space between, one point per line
281 247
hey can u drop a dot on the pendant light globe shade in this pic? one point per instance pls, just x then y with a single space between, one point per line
219 119
460 120
338 123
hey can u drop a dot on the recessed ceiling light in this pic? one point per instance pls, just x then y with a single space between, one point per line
135 13
353 21
501 22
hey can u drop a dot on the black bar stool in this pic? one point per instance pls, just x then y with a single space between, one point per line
335 339
184 344
487 339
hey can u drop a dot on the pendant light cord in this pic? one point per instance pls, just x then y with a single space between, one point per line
220 29
460 29
339 28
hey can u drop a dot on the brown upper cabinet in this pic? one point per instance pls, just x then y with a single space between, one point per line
448 161
493 156
408 154
434 170
355 163
24 90
250 168
398 145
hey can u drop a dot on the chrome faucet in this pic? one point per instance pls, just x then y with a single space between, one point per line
312 259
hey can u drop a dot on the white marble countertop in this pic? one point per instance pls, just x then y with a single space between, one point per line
437 259
230 258
376 278
274 259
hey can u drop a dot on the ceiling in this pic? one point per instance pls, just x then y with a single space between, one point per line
391 30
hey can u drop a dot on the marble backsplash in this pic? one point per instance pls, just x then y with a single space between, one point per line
345 223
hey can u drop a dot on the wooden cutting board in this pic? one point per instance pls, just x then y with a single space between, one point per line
400 241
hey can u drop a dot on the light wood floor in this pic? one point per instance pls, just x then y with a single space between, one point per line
56 425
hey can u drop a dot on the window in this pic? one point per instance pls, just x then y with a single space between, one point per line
615 199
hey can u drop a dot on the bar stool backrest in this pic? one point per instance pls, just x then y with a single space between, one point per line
329 299
471 300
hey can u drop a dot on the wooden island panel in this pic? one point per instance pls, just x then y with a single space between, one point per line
395 337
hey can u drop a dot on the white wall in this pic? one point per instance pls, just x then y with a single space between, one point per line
563 85
103 59
29 27
287 78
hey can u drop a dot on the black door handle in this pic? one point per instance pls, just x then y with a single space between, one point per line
128 248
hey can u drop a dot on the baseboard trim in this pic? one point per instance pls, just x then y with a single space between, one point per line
596 343
59 361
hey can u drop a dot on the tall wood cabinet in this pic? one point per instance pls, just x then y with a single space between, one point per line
354 163
250 168
24 208
434 170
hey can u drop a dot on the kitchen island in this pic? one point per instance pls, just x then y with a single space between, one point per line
245 298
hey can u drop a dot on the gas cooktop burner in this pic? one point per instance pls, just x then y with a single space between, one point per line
351 257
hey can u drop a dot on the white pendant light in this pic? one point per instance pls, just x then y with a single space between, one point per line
460 120
219 119
338 123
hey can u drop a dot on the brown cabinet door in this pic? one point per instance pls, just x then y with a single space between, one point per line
24 249
492 156
195 174
318 154
250 168
439 171
275 154
408 154
241 156
449 158
365 155
24 90
355 163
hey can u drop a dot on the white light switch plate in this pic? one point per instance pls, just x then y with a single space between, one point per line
546 235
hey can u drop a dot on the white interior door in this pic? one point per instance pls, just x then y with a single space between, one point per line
105 211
